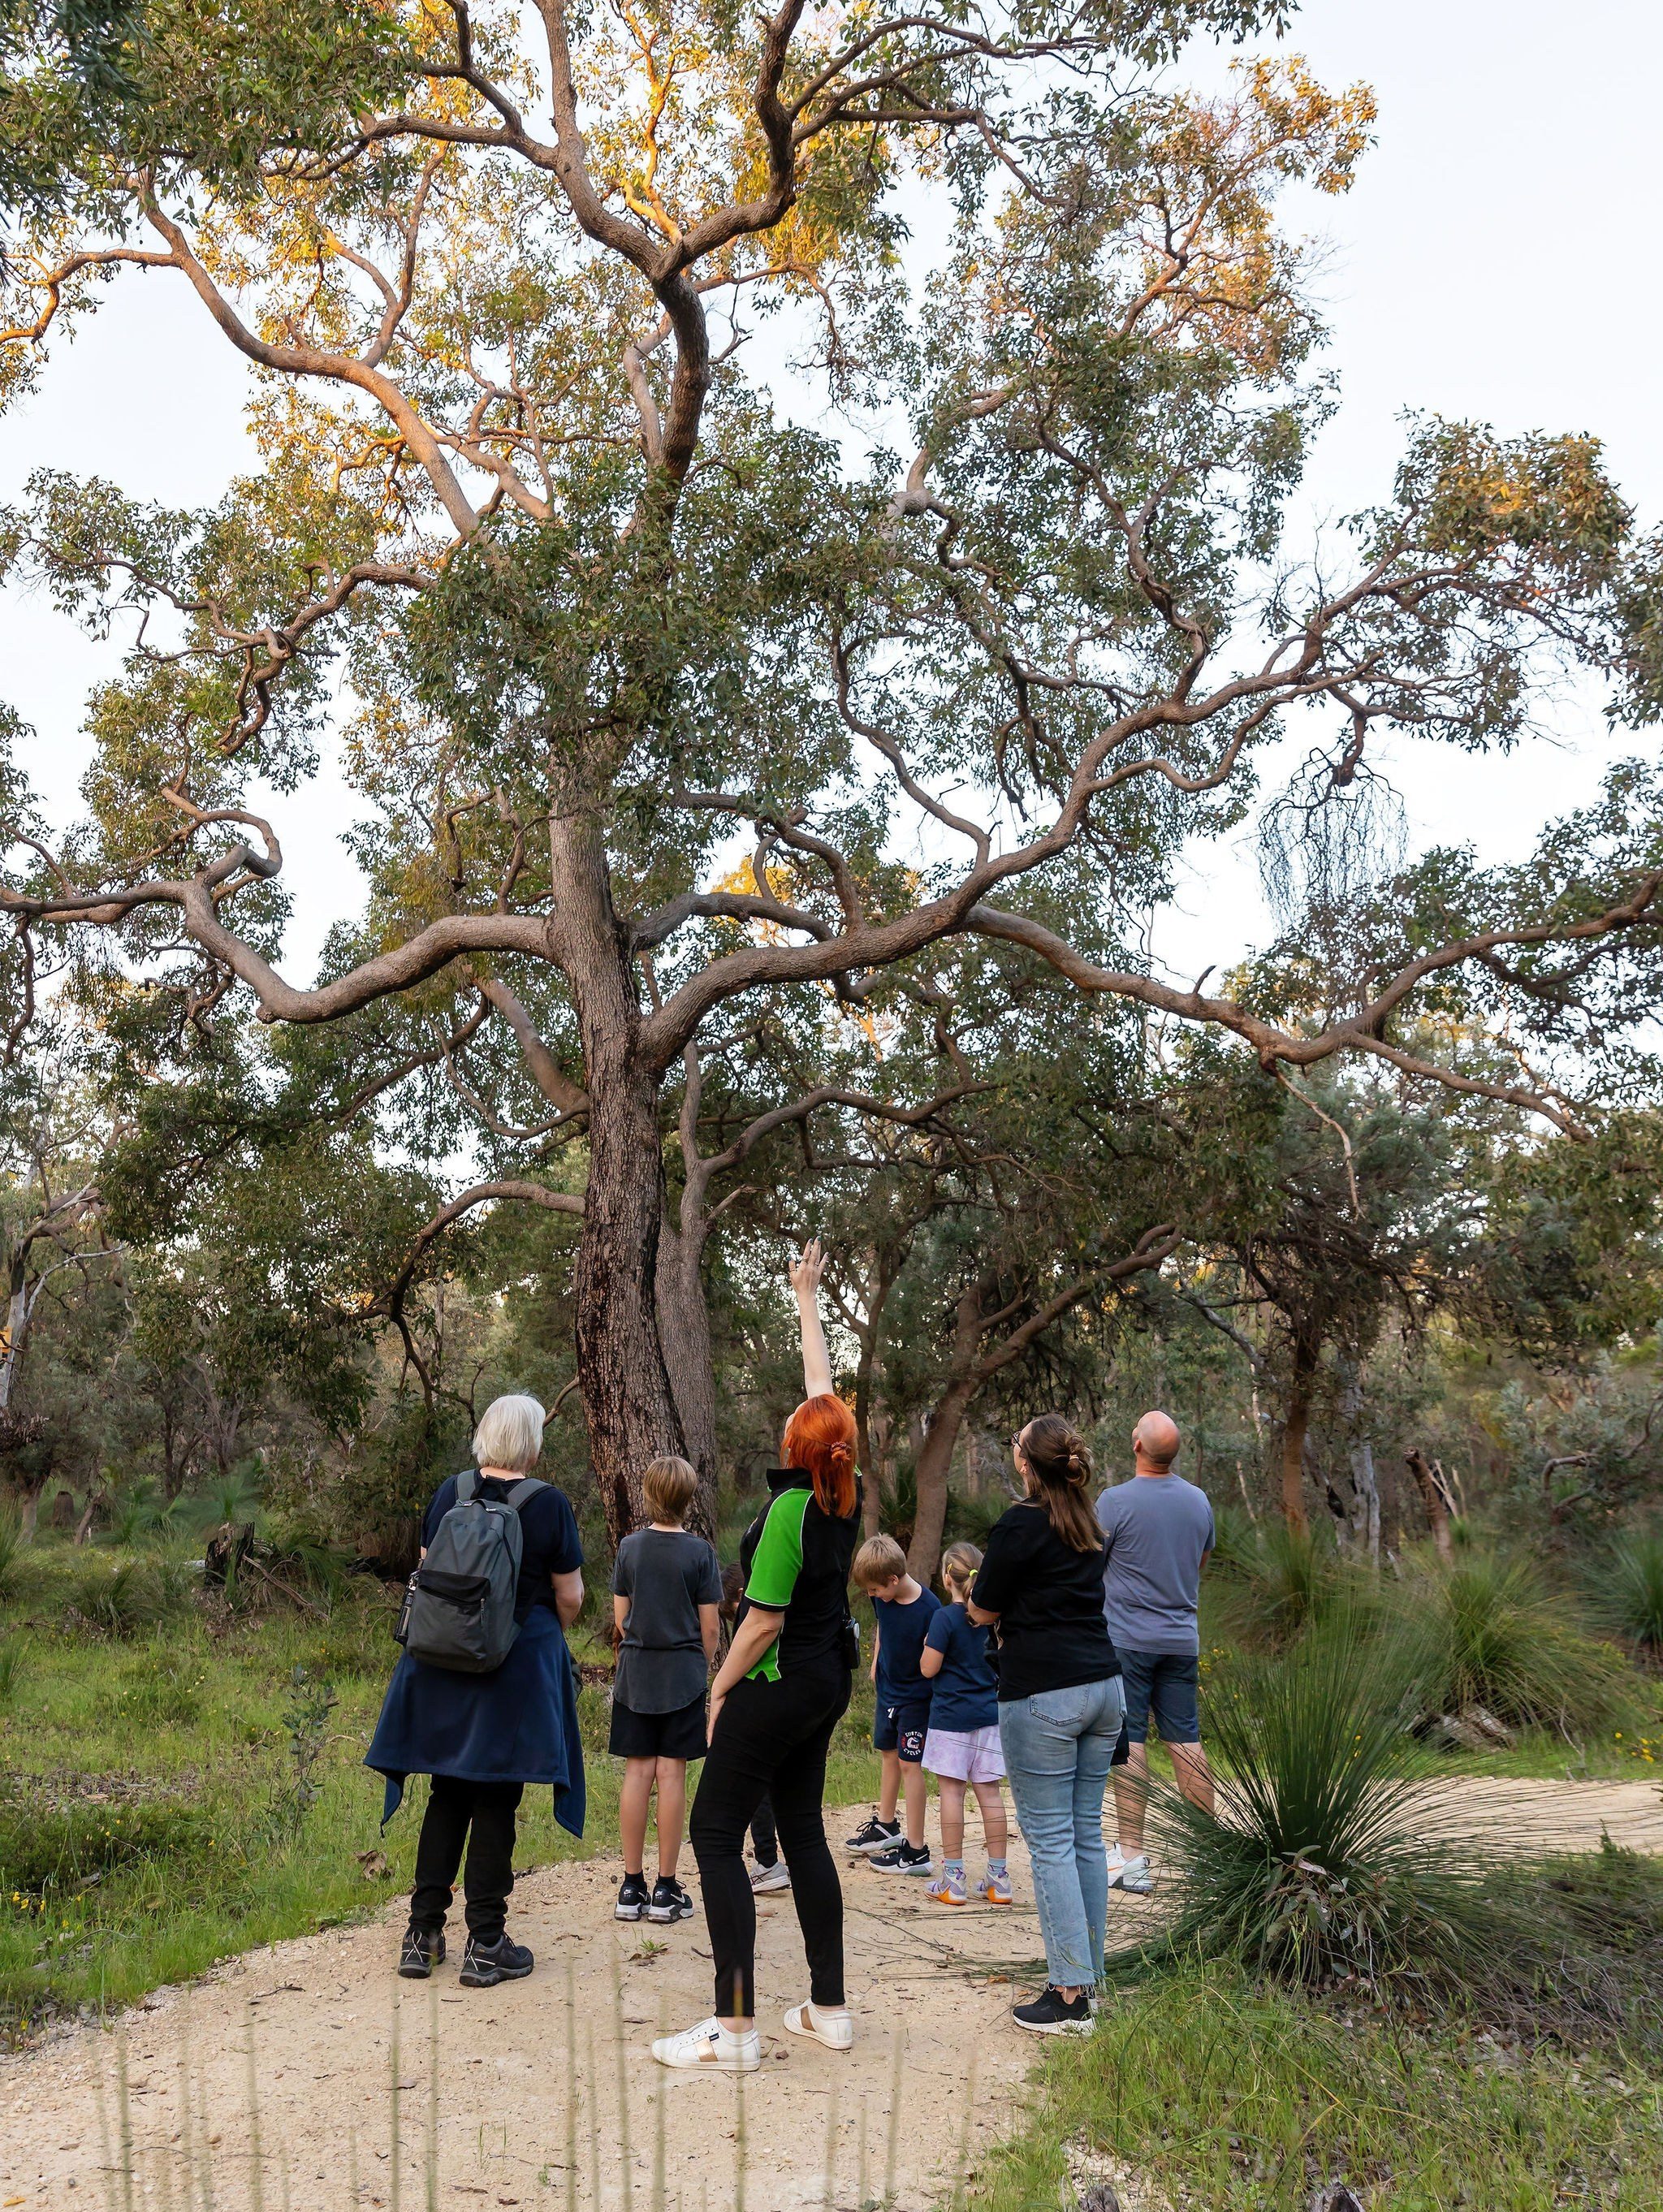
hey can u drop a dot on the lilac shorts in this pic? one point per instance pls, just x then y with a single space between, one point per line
965 1755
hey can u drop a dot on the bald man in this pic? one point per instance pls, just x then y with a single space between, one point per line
1159 1531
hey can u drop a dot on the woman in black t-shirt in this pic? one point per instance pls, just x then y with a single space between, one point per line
1060 1705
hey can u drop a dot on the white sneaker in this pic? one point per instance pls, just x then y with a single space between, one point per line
765 1880
708 2047
1130 1874
835 2029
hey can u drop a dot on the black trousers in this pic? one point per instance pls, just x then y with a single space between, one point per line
771 1742
764 1835
480 1815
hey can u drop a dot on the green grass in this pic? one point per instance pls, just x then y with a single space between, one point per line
1236 2098
143 1765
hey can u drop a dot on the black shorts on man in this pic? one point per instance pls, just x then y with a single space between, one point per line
902 1729
1167 1686
679 1733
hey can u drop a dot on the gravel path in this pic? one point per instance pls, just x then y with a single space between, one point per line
314 2022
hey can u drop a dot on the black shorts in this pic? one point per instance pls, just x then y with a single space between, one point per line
902 1729
1167 1685
679 1735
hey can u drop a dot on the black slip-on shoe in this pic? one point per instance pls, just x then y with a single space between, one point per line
422 1949
1052 2013
485 1965
670 1901
633 1898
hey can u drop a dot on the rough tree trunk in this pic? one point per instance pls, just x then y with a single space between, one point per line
1434 1497
627 1401
1298 1421
1365 1488
934 1461
684 1335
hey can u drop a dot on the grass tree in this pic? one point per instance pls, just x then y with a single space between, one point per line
663 707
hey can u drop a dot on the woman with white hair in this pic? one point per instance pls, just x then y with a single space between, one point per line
483 1736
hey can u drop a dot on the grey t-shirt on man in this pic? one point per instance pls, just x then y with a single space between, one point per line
666 1574
1159 1529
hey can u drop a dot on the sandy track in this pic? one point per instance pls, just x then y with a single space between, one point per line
314 2020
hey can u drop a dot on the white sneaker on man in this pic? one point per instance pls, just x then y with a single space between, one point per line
712 2049
835 2029
765 1880
1129 1872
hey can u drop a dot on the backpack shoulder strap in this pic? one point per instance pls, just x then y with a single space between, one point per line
525 1490
466 1484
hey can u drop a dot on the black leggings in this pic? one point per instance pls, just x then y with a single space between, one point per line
482 1814
771 1741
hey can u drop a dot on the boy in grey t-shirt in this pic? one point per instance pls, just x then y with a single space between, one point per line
666 1607
1159 1531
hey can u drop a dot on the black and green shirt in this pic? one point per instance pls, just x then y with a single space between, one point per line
795 1561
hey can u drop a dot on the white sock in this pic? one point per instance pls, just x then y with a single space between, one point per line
829 2012
730 2039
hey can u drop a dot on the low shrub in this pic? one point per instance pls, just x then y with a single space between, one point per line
1628 1594
1485 1629
1281 1580
123 1598
1326 1860
13 1666
48 1847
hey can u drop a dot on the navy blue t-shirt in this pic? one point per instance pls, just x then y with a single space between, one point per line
549 1536
966 1695
900 1632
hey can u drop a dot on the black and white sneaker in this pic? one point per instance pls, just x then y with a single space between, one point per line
633 1898
422 1949
485 1965
903 1858
670 1901
876 1836
1054 2015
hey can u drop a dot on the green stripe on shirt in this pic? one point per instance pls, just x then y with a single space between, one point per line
775 1565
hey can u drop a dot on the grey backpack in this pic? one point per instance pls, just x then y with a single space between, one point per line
459 1609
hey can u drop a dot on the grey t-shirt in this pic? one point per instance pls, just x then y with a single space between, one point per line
666 1574
1159 1528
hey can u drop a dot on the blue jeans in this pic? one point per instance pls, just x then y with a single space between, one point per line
1057 1748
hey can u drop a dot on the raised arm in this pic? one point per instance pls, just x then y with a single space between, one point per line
804 1274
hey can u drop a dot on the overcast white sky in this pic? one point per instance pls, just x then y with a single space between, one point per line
1497 259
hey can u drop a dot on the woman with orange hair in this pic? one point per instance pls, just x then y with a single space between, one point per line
779 1694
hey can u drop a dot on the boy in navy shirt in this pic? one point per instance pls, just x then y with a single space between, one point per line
962 1747
903 1609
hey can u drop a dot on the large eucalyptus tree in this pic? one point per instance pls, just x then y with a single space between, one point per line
663 703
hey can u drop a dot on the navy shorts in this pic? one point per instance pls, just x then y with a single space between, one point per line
902 1729
679 1735
1163 1684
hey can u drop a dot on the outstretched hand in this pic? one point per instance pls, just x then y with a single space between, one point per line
804 1275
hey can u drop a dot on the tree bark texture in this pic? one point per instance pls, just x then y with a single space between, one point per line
628 1402
1360 1453
683 1319
1434 1497
1298 1422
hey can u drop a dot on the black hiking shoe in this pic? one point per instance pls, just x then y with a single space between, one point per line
669 1900
485 1965
422 1949
876 1836
1054 2014
633 1898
